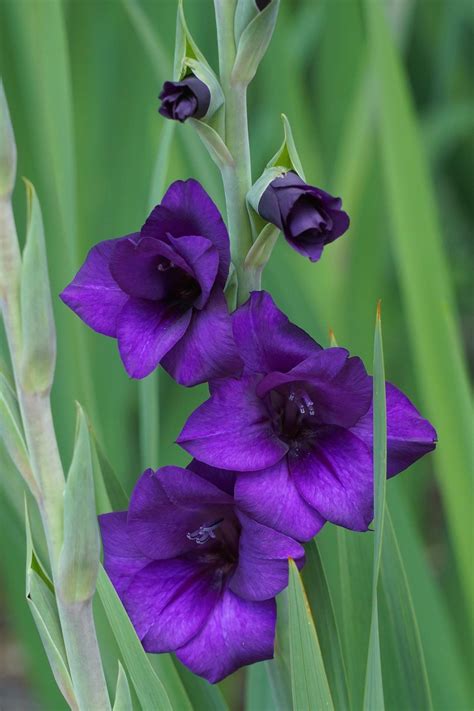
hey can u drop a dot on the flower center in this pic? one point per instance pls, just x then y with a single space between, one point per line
178 286
204 533
293 410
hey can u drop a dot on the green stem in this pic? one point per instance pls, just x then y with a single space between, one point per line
77 622
237 179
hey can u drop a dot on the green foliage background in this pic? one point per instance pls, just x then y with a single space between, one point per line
380 99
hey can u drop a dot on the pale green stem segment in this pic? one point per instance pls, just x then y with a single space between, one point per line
237 178
76 618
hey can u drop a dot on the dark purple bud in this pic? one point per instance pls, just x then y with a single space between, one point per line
262 4
181 100
309 217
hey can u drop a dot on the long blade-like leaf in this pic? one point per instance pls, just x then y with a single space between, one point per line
426 289
309 684
373 696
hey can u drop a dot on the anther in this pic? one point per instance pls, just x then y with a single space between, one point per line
303 401
204 533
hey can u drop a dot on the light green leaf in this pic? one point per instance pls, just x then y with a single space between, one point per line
110 495
7 148
150 691
203 695
38 329
79 558
123 698
403 626
259 694
373 695
11 431
319 598
309 683
253 43
42 603
427 292
287 155
261 250
215 145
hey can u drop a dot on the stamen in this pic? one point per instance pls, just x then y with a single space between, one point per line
204 533
164 267
303 401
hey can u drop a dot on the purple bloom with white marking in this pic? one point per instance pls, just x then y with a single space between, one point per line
196 575
159 291
297 427
309 217
188 98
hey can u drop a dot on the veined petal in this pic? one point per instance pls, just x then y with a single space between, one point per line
409 435
271 497
232 429
262 570
146 331
203 260
187 209
336 478
266 340
207 349
169 601
122 559
237 632
93 294
135 267
166 505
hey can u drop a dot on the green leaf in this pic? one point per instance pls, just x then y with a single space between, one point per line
42 603
123 698
253 43
413 688
309 683
110 493
203 695
427 292
259 694
261 250
373 695
7 148
216 147
11 431
322 610
38 329
150 690
287 155
79 558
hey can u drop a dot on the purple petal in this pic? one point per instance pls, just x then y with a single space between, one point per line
339 386
187 209
122 559
93 294
237 632
221 478
271 497
207 349
146 331
233 430
166 505
169 601
266 340
335 477
409 435
135 267
202 258
262 570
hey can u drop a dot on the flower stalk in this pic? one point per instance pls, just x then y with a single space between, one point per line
76 618
237 178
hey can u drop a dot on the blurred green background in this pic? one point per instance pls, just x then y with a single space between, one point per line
383 115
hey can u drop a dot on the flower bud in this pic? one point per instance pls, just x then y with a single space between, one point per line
253 29
195 91
309 217
180 100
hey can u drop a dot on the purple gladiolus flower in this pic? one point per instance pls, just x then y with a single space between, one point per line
309 217
159 291
196 575
297 426
184 99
